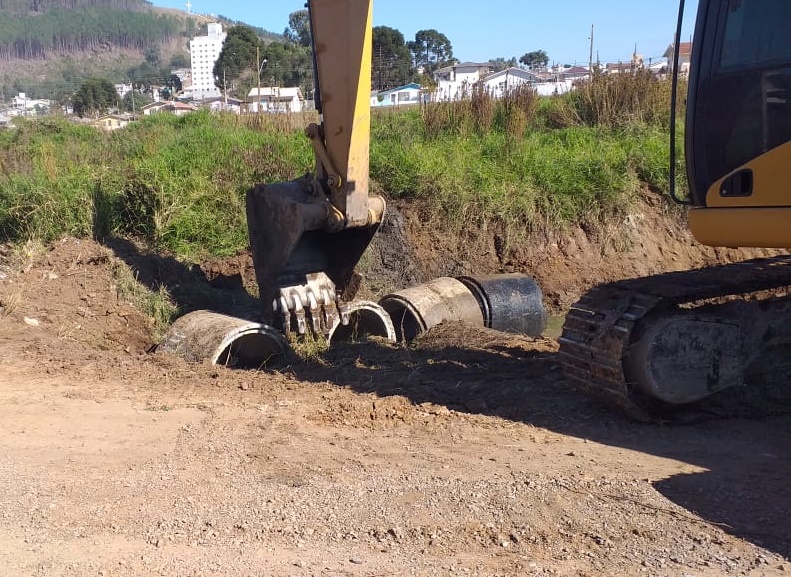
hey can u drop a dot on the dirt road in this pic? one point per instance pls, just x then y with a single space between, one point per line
466 455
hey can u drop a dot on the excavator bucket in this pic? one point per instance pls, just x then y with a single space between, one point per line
305 272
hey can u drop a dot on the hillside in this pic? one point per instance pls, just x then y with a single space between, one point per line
48 47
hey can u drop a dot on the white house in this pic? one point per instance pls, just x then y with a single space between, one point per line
407 95
498 84
24 104
172 107
575 73
224 105
456 81
123 89
276 99
204 52
684 57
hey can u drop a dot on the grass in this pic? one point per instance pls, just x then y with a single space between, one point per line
308 347
547 178
156 304
178 183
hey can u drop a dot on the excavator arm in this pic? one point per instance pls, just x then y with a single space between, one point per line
307 235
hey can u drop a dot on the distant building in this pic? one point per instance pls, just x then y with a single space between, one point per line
407 95
204 52
276 99
620 68
26 105
575 73
172 107
123 89
499 84
684 57
112 122
456 81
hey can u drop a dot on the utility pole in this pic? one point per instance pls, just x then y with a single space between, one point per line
590 58
258 70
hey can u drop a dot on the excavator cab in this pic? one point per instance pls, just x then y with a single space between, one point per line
738 146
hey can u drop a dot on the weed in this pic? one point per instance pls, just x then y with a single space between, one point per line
156 304
308 347
9 303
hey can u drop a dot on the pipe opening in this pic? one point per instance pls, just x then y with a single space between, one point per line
202 336
366 319
252 350
406 321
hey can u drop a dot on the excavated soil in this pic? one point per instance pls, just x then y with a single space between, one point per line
466 454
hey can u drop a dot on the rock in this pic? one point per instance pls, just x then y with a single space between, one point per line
32 322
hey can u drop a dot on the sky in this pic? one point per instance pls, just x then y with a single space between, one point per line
480 31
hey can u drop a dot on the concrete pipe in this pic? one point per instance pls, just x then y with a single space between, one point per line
512 303
365 319
417 309
223 340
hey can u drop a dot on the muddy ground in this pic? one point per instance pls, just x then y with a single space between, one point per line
468 454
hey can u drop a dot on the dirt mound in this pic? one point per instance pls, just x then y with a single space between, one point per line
652 238
71 291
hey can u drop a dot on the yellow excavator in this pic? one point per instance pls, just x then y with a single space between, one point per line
645 345
655 344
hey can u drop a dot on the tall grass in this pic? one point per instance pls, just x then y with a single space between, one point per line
178 183
530 162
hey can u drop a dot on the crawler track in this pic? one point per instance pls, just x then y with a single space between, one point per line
598 329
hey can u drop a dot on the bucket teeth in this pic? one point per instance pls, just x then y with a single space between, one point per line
312 306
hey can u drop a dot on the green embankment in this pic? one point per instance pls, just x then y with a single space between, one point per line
179 183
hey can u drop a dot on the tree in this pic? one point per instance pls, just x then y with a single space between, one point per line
145 75
298 30
430 49
95 96
238 55
174 83
535 59
392 61
288 64
152 56
500 63
179 61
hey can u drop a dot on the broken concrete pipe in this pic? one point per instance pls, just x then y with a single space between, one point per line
366 319
223 340
508 302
